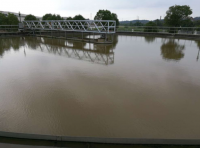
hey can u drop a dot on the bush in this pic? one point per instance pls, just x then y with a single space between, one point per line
150 27
30 17
11 19
173 30
198 29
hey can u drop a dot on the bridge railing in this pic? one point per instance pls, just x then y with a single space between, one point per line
160 29
94 26
8 28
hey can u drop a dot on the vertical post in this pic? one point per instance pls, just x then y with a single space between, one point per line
65 35
112 37
108 27
20 17
115 27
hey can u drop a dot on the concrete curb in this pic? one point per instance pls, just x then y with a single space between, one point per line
102 140
159 34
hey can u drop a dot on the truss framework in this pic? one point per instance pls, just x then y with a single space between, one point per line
94 26
96 54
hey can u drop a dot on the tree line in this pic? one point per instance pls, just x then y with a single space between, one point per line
101 15
176 16
9 19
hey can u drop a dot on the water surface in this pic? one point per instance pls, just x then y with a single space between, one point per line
139 87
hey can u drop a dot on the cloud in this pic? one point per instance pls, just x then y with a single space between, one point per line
125 9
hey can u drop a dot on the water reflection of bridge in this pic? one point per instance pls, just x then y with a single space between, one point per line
96 53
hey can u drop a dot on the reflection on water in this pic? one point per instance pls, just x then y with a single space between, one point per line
171 50
9 43
198 44
149 39
146 93
96 53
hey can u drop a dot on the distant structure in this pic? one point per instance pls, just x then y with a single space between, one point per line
17 14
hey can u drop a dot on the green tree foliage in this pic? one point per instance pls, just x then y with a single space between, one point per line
150 27
30 17
11 19
78 17
176 15
197 23
115 17
3 19
69 18
138 23
47 16
187 23
158 22
106 15
50 16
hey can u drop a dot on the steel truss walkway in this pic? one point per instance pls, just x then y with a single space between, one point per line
94 26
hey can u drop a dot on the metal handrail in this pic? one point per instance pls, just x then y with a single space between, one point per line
93 26
160 29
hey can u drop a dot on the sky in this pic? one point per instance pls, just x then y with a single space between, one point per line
125 9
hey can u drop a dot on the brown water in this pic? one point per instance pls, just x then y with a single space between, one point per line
139 87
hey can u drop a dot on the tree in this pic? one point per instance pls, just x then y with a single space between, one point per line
106 15
47 16
197 23
57 17
138 23
150 27
3 19
69 18
78 17
158 22
187 23
50 16
30 17
12 19
177 14
115 17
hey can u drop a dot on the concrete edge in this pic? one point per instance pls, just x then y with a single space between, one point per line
159 34
102 140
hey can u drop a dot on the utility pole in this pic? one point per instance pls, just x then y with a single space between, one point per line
20 17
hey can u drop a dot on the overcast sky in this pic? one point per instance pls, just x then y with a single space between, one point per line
125 9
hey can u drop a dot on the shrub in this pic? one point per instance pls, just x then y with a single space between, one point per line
150 27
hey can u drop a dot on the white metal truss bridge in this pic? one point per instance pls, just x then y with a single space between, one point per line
93 26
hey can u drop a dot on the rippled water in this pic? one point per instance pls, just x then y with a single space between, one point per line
139 87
